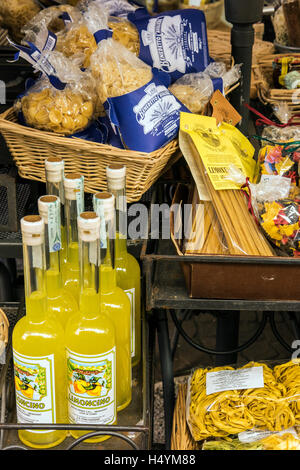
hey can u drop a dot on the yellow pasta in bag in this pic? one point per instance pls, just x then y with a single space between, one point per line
67 109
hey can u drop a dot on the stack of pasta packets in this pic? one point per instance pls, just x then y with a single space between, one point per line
248 404
133 61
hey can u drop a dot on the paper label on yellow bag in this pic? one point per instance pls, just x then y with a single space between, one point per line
219 148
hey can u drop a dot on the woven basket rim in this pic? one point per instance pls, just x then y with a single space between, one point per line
208 6
79 144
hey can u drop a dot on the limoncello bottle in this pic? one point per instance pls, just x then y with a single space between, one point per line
38 349
114 301
90 341
54 169
60 303
127 268
74 205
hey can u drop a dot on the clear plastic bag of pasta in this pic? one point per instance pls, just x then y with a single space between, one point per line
257 440
54 20
16 13
64 101
137 99
225 401
195 90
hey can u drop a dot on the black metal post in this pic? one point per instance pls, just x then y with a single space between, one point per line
166 365
227 337
243 14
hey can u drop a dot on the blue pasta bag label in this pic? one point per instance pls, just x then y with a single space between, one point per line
174 41
147 118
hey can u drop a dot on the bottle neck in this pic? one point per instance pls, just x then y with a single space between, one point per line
108 274
53 273
34 282
121 207
71 214
120 247
89 273
57 189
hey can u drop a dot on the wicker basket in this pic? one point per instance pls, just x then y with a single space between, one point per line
219 45
30 147
181 438
272 96
213 12
3 37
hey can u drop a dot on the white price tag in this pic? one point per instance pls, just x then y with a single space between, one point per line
222 380
254 435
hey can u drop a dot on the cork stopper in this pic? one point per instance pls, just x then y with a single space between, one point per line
73 183
88 226
54 167
116 176
104 205
43 205
33 227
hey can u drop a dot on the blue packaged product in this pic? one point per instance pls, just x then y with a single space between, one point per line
174 41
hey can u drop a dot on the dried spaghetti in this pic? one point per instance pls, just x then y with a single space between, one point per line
241 232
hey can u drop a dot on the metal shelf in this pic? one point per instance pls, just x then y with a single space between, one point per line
134 428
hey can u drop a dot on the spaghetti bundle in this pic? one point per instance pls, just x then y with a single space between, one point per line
241 232
208 237
229 412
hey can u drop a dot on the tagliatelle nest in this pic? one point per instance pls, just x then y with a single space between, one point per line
117 71
126 34
224 413
16 13
64 112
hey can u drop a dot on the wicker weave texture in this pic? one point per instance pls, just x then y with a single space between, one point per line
269 95
213 12
30 147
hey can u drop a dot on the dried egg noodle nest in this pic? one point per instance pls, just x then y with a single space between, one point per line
230 412
117 71
16 13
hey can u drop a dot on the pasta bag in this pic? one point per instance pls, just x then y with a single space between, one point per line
224 401
42 30
173 41
137 101
195 90
63 100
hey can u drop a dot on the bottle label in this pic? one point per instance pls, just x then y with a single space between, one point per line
54 227
35 389
92 388
80 195
131 295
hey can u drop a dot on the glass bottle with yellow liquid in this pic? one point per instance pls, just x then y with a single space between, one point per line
74 205
114 300
38 349
60 303
127 268
90 341
54 170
